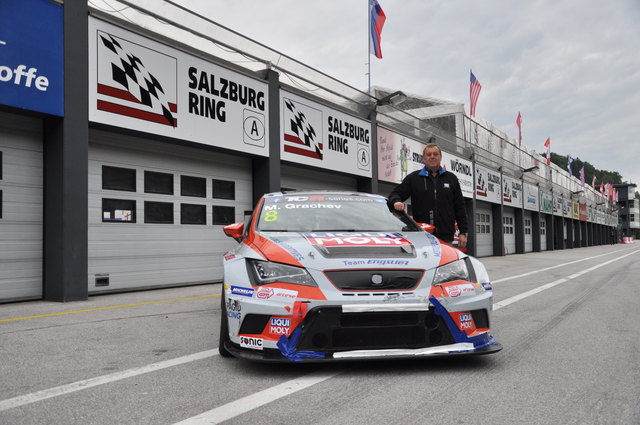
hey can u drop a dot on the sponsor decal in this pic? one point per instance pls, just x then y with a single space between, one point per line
279 326
239 290
296 254
233 305
357 239
375 262
464 289
466 321
229 257
251 342
267 293
234 315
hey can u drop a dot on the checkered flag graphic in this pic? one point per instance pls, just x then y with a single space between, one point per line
300 133
134 83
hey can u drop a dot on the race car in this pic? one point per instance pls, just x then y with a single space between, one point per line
328 276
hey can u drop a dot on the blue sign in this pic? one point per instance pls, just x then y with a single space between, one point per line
31 56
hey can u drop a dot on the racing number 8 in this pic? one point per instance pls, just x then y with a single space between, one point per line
271 215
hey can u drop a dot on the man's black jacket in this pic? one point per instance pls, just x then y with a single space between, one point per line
435 200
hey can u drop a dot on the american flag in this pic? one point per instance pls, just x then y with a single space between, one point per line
547 145
474 92
519 124
582 174
569 161
593 183
376 21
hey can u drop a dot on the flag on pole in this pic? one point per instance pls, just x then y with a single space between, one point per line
474 92
519 124
376 20
547 145
582 175
593 182
601 187
569 161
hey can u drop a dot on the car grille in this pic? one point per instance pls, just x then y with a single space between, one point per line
367 280
329 329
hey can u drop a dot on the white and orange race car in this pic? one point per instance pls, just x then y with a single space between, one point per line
326 276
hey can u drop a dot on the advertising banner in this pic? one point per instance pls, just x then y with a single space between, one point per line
511 192
317 135
140 84
557 204
567 210
488 185
399 155
546 202
583 212
575 208
32 56
531 197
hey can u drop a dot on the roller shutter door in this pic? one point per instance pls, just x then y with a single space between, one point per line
21 207
508 228
297 178
543 232
528 232
484 229
156 212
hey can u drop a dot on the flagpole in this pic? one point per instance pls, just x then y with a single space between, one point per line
369 45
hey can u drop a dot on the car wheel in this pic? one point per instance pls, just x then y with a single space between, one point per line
224 329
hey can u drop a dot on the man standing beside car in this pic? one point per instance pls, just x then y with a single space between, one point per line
436 197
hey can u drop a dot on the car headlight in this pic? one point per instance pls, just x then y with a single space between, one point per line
455 270
264 272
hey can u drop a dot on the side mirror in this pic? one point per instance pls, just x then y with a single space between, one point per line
427 227
234 231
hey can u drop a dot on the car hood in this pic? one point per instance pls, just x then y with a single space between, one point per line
365 250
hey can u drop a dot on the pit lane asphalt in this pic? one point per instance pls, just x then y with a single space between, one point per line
571 356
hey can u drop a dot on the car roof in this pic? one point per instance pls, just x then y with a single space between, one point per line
322 192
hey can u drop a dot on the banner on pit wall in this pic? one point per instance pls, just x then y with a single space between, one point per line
316 135
488 185
140 84
399 155
546 201
575 210
512 192
31 56
531 197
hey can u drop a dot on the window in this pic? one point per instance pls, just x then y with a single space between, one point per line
193 214
158 212
158 183
193 186
223 215
223 189
543 227
116 178
118 210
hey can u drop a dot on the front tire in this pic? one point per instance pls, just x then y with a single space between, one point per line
224 329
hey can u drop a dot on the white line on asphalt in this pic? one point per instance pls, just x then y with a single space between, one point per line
253 401
504 303
555 267
99 380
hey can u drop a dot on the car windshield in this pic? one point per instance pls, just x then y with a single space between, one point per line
331 212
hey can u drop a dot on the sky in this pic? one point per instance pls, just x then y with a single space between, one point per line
570 67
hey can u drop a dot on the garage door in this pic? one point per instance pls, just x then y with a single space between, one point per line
484 229
528 232
297 178
156 212
543 232
21 207
508 228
